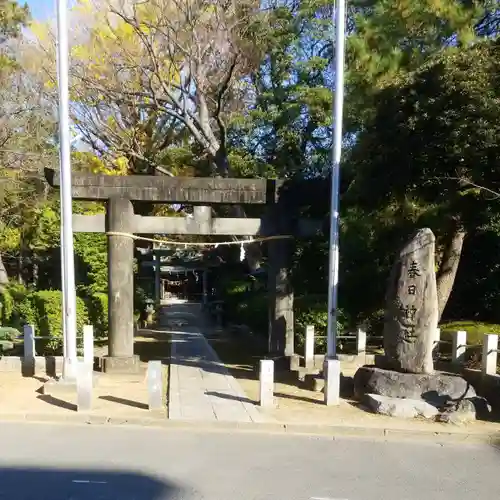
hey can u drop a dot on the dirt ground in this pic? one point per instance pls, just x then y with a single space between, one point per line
295 404
117 395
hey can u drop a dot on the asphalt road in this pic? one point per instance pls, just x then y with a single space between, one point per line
49 462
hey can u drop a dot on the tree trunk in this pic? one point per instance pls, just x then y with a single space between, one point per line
448 268
20 268
35 273
4 279
21 262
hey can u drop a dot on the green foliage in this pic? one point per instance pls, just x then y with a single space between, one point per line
46 307
476 293
44 229
23 311
433 133
93 262
43 309
422 109
314 311
98 314
237 287
475 330
438 128
42 236
393 38
283 132
245 307
92 255
251 309
6 304
9 333
12 17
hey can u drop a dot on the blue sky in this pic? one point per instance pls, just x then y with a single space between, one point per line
41 9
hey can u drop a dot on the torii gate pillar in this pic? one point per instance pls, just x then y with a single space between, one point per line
119 219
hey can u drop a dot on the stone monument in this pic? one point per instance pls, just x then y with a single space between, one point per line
403 382
411 315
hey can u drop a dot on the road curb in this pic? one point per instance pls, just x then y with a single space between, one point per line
159 420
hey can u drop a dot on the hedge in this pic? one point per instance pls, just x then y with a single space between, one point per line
7 305
475 330
47 306
43 309
311 310
17 308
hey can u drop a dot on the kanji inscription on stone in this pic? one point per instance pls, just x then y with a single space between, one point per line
411 312
413 270
408 334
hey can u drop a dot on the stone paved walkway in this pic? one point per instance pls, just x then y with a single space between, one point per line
200 386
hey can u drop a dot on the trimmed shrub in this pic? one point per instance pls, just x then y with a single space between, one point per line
313 310
47 308
24 313
15 309
6 305
475 330
314 313
9 333
98 314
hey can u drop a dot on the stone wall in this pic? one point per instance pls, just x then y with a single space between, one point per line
49 366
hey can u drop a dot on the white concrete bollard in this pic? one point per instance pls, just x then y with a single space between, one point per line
29 343
84 383
155 385
458 347
489 361
266 377
360 341
309 347
331 371
88 345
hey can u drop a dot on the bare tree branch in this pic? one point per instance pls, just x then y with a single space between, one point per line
467 182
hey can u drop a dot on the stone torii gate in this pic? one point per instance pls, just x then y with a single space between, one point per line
120 191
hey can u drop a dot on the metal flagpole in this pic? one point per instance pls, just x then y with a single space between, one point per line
63 288
67 251
61 240
333 273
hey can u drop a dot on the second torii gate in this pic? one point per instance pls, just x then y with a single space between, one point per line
119 221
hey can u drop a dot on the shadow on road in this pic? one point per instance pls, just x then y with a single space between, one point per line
18 483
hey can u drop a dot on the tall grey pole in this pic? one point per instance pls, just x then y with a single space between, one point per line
333 272
63 286
67 250
63 281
